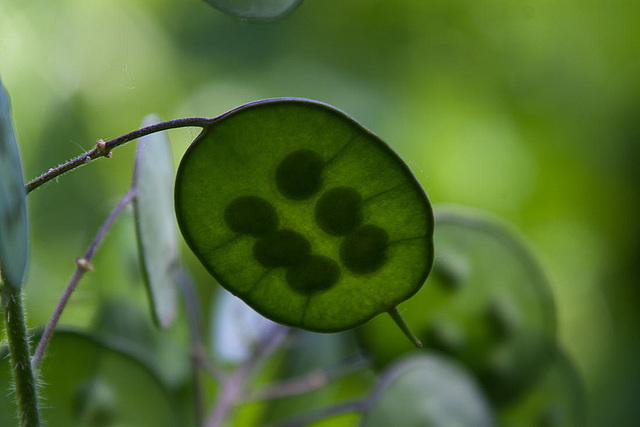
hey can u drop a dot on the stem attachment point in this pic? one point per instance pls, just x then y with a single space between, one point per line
84 264
102 149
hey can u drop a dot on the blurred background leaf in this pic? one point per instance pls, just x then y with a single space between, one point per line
255 9
235 328
13 206
526 109
428 390
557 398
157 233
487 304
93 382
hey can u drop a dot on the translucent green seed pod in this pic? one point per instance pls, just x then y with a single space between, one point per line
304 214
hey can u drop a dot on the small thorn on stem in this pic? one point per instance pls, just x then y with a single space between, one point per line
84 264
101 146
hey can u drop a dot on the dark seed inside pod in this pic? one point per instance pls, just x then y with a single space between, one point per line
251 215
299 175
365 250
317 274
339 211
282 248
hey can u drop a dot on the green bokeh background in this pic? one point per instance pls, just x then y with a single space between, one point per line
530 110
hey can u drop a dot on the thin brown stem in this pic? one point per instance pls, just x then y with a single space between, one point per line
358 405
233 387
205 362
103 149
83 265
187 287
309 382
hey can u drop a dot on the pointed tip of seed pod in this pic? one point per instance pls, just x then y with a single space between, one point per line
397 317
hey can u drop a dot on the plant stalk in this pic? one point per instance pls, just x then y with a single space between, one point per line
103 149
18 339
186 285
82 266
233 387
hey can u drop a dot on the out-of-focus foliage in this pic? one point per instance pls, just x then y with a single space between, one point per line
255 9
487 303
235 328
308 354
157 233
526 109
557 398
428 389
93 382
13 206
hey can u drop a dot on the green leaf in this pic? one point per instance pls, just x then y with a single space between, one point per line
13 208
428 390
486 302
122 321
155 224
304 214
255 9
557 398
87 381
